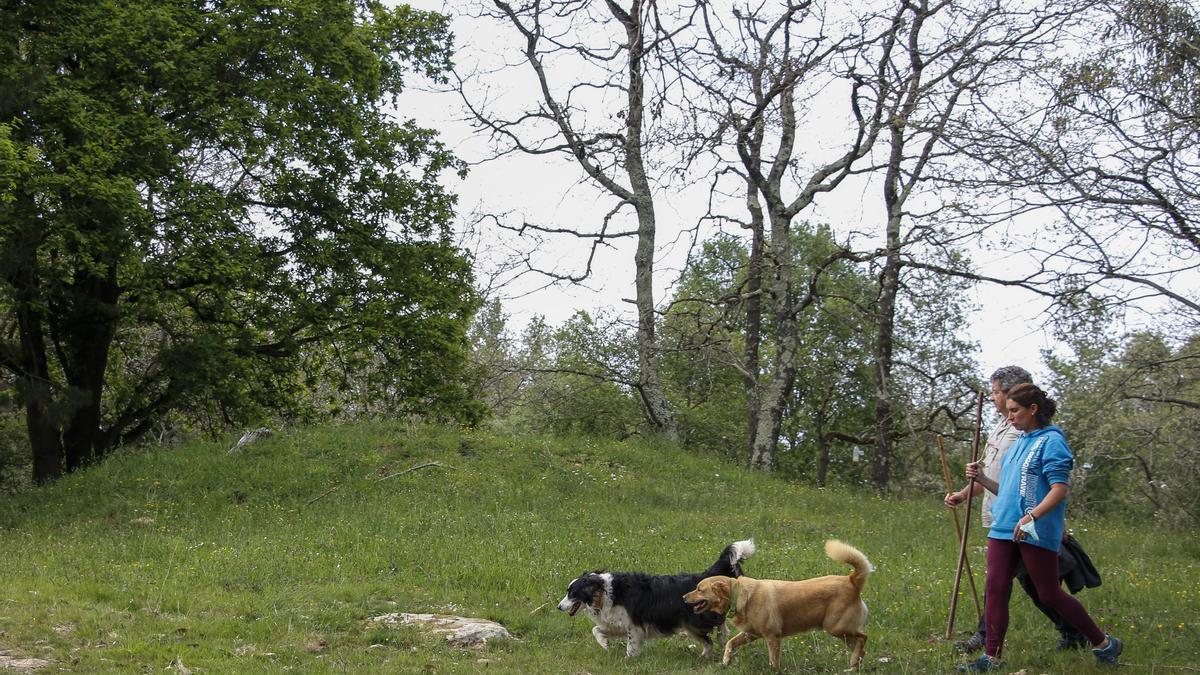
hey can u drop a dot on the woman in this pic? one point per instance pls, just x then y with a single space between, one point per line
1028 518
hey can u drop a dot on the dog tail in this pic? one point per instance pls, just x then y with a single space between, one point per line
729 564
845 553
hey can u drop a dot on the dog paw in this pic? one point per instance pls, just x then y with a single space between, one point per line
601 638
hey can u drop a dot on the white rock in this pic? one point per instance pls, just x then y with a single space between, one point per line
458 631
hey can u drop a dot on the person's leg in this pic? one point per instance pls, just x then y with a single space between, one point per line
1042 566
981 628
1069 636
1002 557
974 642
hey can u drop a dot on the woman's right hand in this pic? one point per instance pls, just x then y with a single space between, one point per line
953 499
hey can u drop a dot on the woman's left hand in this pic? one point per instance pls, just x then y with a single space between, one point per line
1019 535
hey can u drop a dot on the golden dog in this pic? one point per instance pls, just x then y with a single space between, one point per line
772 610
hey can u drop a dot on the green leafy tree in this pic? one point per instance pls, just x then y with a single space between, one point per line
495 374
706 329
1128 408
935 381
581 379
704 335
830 413
193 194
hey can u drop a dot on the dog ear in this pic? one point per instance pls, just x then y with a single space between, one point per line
721 589
598 600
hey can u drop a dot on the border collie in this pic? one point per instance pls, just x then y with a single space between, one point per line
636 606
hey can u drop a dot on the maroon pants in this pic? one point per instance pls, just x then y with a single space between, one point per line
1042 564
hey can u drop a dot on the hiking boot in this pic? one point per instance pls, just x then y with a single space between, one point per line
982 664
1067 643
971 644
1108 655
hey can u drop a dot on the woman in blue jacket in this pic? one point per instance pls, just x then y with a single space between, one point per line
1028 517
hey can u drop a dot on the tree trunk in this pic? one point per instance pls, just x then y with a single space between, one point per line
42 423
64 426
773 401
657 407
34 383
753 314
764 454
881 465
822 447
45 442
889 284
88 332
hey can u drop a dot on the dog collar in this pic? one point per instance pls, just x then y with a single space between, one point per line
733 598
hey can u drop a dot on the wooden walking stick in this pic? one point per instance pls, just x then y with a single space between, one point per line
958 528
962 547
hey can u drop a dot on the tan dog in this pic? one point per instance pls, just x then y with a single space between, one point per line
772 610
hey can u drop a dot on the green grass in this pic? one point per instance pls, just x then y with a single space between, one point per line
227 563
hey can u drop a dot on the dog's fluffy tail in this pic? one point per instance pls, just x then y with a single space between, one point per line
845 553
740 550
729 564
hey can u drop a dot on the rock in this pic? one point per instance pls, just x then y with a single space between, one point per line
249 437
19 664
316 645
458 631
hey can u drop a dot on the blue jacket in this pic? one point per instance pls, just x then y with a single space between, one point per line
1034 462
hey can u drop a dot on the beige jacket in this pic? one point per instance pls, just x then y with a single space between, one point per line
998 440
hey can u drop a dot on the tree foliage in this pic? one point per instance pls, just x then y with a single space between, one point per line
1129 409
829 410
578 378
196 196
704 335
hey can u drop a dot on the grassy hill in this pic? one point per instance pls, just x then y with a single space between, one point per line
271 559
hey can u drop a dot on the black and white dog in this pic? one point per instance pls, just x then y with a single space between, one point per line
636 606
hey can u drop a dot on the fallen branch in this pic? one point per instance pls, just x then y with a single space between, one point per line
336 486
414 468
390 475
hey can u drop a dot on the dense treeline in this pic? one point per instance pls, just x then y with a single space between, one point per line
1128 403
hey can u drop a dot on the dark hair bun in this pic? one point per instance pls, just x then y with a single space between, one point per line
1028 395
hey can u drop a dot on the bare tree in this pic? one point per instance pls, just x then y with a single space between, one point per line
599 90
945 52
1103 146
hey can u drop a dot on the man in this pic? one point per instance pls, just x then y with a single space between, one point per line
999 439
